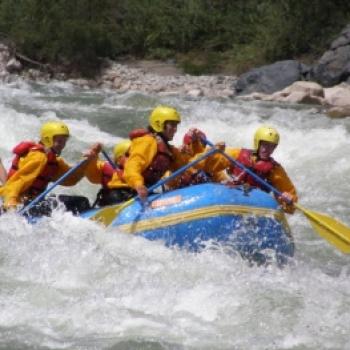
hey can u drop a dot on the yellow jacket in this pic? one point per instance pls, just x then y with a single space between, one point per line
94 173
143 150
29 168
216 165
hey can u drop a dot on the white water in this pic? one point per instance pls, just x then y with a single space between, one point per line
67 283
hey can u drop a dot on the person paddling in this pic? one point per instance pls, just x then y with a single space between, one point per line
260 161
110 176
151 155
35 165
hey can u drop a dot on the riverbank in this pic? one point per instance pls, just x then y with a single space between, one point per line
167 79
163 78
154 77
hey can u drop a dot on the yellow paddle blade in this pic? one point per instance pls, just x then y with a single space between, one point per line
107 215
330 229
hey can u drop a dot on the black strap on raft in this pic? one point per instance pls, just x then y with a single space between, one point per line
113 196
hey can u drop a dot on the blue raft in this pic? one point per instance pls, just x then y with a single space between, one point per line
250 221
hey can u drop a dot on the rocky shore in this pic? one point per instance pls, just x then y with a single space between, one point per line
325 83
144 76
164 79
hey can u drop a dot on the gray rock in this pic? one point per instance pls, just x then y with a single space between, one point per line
327 57
13 66
341 41
271 78
334 65
346 31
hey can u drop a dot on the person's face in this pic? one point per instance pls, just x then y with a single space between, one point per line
170 129
59 142
266 149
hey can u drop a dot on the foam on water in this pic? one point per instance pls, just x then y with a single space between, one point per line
68 283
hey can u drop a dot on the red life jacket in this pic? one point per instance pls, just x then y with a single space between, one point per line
161 161
46 176
107 174
262 168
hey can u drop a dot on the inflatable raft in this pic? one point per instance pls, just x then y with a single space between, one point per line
249 220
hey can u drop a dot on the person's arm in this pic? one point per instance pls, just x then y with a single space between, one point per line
91 154
3 173
142 151
93 171
215 164
29 169
280 180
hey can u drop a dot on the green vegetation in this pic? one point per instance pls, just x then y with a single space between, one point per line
204 35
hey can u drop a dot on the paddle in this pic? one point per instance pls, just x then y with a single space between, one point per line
329 228
108 214
110 161
51 187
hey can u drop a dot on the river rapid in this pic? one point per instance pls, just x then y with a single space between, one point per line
68 283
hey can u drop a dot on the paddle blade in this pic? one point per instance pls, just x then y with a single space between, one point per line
330 229
107 215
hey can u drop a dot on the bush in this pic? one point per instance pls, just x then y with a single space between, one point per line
238 33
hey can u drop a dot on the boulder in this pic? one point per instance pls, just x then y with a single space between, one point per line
307 87
14 66
299 92
338 95
339 111
301 97
334 65
271 78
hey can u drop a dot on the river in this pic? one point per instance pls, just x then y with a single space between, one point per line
66 283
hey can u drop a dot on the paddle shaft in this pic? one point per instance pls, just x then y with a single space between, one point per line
173 175
332 230
108 214
52 186
181 170
248 171
110 161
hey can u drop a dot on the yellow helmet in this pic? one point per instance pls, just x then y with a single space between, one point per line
51 129
121 149
266 133
162 114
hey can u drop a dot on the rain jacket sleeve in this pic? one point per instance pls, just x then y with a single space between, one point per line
117 182
142 151
94 173
180 159
216 164
73 178
280 180
29 169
